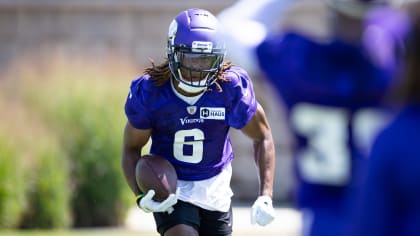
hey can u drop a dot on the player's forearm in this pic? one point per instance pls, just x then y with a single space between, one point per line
129 161
265 160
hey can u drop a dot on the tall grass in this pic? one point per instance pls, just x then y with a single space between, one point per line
27 145
12 192
70 121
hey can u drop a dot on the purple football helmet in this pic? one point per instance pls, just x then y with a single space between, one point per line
194 36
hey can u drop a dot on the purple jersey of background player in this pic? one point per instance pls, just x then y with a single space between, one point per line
334 75
327 88
210 118
391 206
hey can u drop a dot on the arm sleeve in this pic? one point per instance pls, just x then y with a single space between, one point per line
244 103
137 113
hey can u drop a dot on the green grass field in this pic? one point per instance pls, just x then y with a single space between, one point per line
105 232
85 232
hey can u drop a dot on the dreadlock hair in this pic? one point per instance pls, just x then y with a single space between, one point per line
161 74
410 87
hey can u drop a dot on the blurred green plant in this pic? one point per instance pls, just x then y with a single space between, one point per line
76 168
12 187
33 171
49 194
86 110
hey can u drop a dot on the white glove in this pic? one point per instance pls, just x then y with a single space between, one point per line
147 204
262 211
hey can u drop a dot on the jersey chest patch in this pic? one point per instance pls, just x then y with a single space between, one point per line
212 113
191 110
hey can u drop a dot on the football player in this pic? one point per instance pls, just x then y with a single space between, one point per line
187 105
390 194
332 81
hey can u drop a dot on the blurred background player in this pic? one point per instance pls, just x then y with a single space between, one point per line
332 68
390 195
187 105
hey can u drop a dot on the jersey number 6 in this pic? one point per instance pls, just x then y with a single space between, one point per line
196 137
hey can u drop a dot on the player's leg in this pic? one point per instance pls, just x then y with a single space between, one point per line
184 220
215 223
184 230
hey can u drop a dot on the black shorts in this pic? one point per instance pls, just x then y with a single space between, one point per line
211 223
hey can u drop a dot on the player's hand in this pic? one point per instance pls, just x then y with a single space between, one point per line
262 211
147 204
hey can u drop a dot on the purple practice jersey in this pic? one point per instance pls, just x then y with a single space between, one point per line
390 201
331 92
194 138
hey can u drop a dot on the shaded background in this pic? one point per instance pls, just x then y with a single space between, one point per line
66 67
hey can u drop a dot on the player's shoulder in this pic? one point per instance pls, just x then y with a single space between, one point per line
236 76
405 124
142 83
286 40
237 89
278 49
145 85
144 90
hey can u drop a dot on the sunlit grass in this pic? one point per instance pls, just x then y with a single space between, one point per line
89 232
112 232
